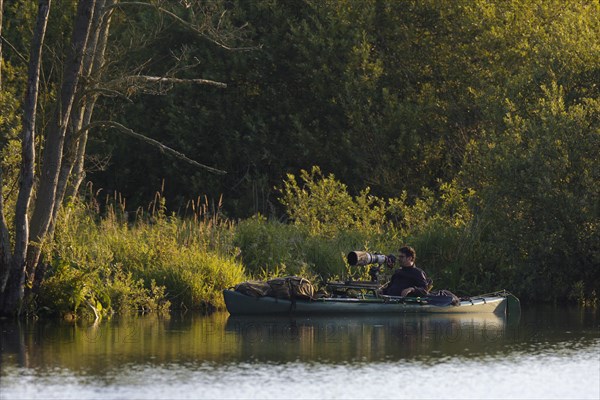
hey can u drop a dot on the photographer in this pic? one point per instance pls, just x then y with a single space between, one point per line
408 280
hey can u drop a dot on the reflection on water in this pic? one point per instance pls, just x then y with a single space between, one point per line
367 338
223 356
221 337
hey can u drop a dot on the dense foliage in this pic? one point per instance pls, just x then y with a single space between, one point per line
470 129
105 265
384 94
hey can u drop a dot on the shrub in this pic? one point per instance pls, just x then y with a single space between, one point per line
104 265
323 206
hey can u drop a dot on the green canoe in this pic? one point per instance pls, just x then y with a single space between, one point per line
499 303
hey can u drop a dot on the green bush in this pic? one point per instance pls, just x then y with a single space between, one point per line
537 190
270 248
322 205
105 265
468 241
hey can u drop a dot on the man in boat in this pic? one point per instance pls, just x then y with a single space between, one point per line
408 280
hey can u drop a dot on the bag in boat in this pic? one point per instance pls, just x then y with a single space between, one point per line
443 298
291 287
253 288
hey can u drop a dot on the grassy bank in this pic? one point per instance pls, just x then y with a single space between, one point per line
109 261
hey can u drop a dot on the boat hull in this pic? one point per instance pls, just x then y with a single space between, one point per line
241 304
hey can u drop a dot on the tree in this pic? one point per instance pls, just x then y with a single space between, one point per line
538 195
84 78
46 193
13 266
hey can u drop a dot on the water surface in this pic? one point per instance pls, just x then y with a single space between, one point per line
546 353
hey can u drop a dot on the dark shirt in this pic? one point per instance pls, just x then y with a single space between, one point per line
407 277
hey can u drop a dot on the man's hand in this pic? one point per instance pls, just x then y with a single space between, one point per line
390 260
407 291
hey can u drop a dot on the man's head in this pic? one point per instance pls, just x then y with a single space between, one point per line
407 256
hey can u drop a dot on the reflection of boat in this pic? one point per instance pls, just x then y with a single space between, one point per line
372 337
241 304
273 323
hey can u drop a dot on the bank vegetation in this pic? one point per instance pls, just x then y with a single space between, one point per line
279 135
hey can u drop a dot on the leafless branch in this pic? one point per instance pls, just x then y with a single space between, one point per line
108 93
160 146
158 85
13 48
162 79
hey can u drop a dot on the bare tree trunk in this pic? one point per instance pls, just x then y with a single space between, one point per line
72 168
53 150
79 172
12 296
75 137
83 102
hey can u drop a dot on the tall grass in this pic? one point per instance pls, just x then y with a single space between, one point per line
106 264
112 262
271 248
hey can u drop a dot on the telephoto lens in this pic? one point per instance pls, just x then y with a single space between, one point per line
365 258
